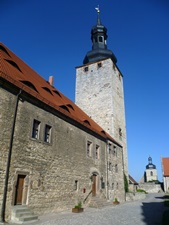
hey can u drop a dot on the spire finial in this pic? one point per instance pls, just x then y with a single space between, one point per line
98 15
97 9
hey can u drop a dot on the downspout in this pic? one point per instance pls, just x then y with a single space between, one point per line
107 158
2 216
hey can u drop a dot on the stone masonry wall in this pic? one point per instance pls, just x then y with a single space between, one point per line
99 92
52 170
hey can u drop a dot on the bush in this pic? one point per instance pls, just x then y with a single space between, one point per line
79 205
126 185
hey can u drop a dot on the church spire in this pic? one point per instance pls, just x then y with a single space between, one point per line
99 43
98 15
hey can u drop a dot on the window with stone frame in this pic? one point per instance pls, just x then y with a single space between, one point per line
89 149
112 186
110 166
114 151
47 135
36 129
116 168
97 152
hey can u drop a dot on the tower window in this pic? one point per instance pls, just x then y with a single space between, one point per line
99 65
86 69
110 166
120 133
95 39
36 129
116 168
151 173
97 153
100 39
110 146
114 151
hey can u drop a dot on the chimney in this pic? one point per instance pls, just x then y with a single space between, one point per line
51 80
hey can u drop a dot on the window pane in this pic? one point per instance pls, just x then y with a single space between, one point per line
47 137
36 128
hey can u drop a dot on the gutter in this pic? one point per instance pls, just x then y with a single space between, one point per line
2 215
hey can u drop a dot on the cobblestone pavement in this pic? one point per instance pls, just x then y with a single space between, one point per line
143 212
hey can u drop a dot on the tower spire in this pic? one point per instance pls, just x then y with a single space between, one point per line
99 43
98 15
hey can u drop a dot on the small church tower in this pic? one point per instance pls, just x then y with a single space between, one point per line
99 87
151 171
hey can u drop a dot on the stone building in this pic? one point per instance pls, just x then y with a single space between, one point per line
99 88
52 153
165 168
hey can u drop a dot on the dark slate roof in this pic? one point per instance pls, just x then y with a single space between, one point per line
18 73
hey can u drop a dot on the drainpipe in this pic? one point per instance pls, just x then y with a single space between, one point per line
107 168
2 216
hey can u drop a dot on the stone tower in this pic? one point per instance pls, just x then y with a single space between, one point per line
151 171
99 88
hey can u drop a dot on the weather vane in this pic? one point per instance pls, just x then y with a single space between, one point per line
97 9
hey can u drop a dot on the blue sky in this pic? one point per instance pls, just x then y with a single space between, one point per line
53 37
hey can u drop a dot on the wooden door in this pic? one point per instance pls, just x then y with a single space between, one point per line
94 178
19 189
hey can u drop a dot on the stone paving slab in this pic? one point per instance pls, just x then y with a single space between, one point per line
143 212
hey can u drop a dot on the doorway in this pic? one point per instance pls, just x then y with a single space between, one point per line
94 184
20 189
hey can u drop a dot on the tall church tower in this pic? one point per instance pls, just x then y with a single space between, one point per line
99 88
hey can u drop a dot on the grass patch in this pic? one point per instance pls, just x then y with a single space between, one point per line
141 191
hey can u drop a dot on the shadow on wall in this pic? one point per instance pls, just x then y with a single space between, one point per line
153 212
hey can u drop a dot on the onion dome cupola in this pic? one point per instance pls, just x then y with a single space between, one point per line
150 164
99 46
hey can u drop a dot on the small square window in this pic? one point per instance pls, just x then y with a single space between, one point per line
99 65
86 69
47 137
36 129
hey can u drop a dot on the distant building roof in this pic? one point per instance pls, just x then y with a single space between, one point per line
18 73
131 180
165 165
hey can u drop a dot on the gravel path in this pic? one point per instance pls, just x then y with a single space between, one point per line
145 212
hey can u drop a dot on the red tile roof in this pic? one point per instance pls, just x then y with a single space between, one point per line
15 71
165 164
